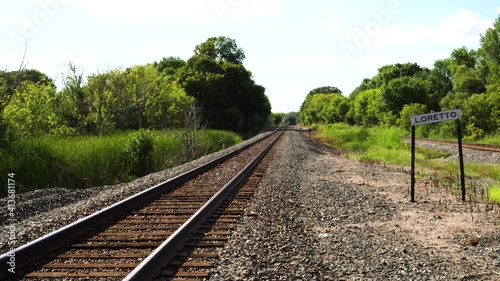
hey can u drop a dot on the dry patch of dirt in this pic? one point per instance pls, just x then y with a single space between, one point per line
432 221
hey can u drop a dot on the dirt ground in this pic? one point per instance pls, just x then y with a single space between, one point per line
436 217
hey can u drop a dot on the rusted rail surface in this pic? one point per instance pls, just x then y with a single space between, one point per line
116 243
477 146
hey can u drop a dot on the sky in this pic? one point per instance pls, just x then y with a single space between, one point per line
291 46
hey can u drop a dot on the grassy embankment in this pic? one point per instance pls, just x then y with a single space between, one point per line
386 145
86 161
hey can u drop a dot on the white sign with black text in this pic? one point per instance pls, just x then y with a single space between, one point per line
435 117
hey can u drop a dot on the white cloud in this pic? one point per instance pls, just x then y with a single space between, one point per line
169 11
498 9
303 62
461 28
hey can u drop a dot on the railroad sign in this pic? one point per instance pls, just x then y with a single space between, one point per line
435 117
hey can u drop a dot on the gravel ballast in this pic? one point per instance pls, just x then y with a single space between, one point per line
324 217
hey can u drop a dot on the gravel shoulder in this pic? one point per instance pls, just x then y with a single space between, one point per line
321 216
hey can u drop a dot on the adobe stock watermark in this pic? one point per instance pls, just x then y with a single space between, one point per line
222 7
373 28
31 26
11 222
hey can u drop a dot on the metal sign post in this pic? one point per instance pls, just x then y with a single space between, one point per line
435 117
461 158
412 188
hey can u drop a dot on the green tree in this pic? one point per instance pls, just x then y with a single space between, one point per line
13 79
335 111
464 75
142 85
169 66
489 54
72 102
276 118
494 100
325 90
122 111
312 110
390 72
100 101
365 108
221 48
404 90
31 113
462 56
366 84
165 108
217 79
290 119
478 116
408 111
440 86
466 79
454 100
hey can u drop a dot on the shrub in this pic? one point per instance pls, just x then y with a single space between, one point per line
139 150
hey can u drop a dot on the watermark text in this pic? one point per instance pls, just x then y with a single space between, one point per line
11 220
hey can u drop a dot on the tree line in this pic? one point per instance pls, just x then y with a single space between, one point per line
155 95
468 79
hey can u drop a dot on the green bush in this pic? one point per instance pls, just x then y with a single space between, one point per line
167 149
215 140
138 149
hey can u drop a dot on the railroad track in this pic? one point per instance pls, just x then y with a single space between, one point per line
163 231
477 146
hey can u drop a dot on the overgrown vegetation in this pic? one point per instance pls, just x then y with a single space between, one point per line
369 124
383 145
85 161
386 145
284 119
468 79
74 136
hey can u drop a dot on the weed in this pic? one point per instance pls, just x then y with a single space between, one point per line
494 194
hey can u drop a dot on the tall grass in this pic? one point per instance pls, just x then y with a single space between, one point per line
86 161
491 140
378 143
381 144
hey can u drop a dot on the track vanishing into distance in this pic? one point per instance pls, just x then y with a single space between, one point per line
168 232
477 146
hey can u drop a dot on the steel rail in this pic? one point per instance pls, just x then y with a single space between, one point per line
39 248
477 146
152 266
